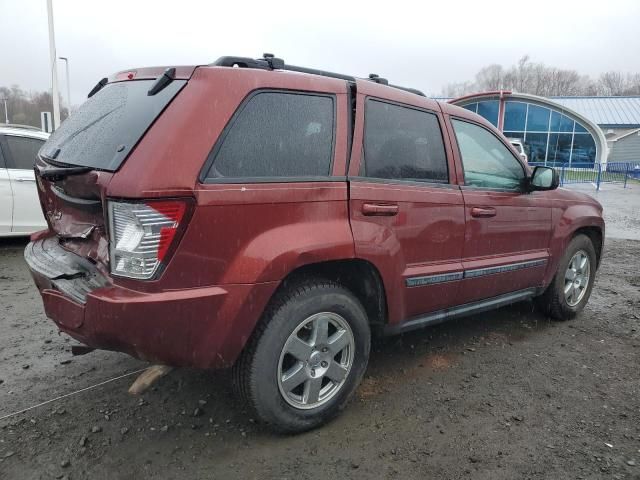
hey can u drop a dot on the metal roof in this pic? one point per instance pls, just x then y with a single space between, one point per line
621 112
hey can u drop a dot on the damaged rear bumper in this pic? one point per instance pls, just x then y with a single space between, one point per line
64 271
199 327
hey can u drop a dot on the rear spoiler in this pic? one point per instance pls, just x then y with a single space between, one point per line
182 72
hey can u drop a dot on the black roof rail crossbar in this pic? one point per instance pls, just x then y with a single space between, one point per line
244 62
270 62
323 73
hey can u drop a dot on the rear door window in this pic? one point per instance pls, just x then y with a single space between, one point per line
22 151
104 130
403 143
277 134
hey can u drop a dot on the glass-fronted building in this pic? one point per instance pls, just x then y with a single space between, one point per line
550 132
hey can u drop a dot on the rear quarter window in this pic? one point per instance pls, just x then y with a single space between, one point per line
277 135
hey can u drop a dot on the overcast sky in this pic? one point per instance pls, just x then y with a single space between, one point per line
423 44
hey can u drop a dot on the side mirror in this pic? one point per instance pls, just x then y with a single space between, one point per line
544 178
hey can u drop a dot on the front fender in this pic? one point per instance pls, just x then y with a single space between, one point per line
567 219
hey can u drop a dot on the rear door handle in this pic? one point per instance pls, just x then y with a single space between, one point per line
379 209
484 212
33 180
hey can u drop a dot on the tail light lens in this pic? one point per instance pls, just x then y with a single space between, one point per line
140 235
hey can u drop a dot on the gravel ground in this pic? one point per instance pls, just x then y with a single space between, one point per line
621 207
503 395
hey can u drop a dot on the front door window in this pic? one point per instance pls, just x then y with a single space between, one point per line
487 162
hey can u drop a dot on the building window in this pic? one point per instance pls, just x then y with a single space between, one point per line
584 148
559 147
489 110
580 128
560 123
538 119
515 116
472 107
549 135
537 145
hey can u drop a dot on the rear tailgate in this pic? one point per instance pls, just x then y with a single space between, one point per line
99 136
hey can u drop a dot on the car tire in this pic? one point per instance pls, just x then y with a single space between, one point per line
564 298
291 345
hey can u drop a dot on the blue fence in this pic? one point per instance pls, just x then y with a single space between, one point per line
595 174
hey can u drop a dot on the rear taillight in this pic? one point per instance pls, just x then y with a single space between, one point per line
140 235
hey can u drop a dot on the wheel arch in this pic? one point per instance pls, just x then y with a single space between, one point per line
359 276
595 234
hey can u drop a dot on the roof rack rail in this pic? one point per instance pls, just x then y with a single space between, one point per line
271 62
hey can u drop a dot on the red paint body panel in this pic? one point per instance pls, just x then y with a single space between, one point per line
518 228
519 231
205 327
425 237
570 212
239 241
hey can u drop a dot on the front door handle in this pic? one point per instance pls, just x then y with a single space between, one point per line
483 212
379 209
33 180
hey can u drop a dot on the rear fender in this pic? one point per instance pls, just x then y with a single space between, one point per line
275 253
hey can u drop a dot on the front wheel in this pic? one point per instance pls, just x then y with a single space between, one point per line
571 287
306 357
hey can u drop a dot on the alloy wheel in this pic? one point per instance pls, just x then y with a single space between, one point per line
316 360
576 278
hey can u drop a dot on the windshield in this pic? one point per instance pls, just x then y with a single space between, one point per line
108 125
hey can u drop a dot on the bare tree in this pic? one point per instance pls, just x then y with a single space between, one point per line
490 77
633 85
24 107
539 79
617 83
611 83
453 90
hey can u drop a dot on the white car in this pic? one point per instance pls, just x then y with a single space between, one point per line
20 212
519 146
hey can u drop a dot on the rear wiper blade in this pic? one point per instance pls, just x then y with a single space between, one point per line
58 173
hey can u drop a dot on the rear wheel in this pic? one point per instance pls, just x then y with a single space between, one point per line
306 357
571 287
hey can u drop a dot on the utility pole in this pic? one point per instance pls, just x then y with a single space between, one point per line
66 62
54 68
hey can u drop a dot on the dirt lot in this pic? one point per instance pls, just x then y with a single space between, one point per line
504 395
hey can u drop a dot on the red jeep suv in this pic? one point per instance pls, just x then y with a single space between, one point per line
267 217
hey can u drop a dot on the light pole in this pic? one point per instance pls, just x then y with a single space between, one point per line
6 112
54 68
66 62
